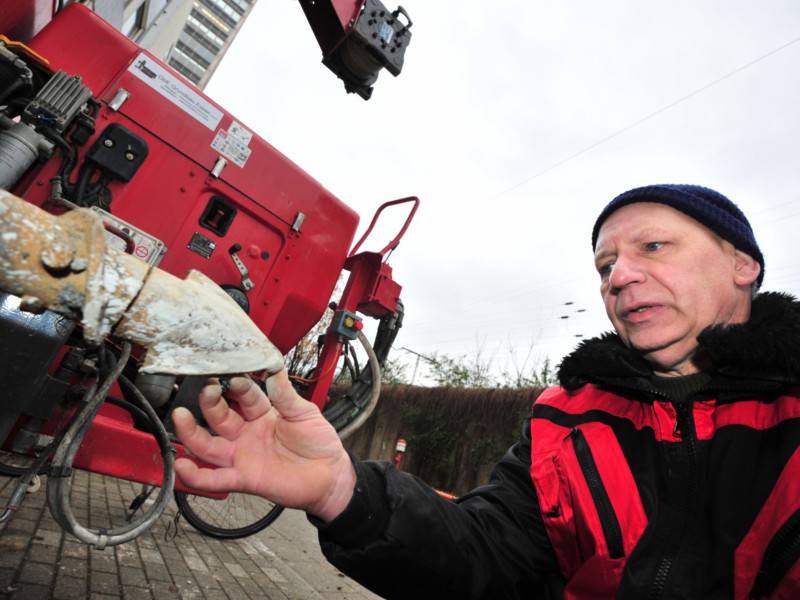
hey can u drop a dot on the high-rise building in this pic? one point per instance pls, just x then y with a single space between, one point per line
191 36
209 31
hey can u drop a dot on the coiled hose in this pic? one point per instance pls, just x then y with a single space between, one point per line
355 407
59 479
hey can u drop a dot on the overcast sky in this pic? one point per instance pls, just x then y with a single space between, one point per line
515 123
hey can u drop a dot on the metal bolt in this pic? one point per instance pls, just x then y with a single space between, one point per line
108 143
57 256
129 156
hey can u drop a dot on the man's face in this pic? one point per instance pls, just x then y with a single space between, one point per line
665 278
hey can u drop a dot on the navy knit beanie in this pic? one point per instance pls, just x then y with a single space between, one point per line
702 204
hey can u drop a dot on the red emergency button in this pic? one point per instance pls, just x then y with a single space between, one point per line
351 323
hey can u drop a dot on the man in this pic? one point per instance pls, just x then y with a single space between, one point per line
664 466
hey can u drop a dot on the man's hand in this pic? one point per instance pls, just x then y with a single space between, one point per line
279 447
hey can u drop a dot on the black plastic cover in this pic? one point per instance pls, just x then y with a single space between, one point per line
118 151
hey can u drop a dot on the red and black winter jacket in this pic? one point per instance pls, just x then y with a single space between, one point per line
614 490
658 498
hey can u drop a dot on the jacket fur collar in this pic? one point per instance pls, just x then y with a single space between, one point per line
766 348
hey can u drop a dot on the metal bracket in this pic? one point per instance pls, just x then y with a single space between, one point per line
247 284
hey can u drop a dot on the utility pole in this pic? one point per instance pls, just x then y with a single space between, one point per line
416 364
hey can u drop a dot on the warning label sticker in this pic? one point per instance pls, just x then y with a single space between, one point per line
233 143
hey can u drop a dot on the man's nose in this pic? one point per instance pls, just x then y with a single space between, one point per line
625 272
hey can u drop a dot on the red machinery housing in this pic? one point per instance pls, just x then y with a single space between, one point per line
292 234
97 122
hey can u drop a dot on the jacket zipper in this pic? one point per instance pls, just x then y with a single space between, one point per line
685 429
781 554
608 519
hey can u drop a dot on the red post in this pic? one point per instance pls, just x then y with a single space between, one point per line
399 450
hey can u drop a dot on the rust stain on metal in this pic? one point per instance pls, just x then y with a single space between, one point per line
188 327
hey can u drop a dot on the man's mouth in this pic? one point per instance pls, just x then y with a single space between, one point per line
639 311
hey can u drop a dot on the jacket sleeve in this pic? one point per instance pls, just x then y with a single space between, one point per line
401 539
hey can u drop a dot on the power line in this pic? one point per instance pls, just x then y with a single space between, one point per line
643 119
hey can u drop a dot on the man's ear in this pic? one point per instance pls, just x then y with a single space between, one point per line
745 268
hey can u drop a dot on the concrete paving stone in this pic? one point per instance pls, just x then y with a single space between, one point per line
178 568
235 558
30 591
189 551
156 572
69 588
37 573
255 588
73 567
11 560
188 588
170 552
136 593
321 580
24 510
75 549
223 576
214 563
145 546
236 551
234 590
195 563
295 594
220 553
193 544
103 560
45 554
128 555
236 570
207 581
282 562
213 544
252 569
164 589
150 555
132 577
12 541
105 583
47 537
341 595
275 593
21 525
274 574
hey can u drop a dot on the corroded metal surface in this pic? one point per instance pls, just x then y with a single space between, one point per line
188 327
48 260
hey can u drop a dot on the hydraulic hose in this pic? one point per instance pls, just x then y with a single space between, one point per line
354 408
59 480
375 391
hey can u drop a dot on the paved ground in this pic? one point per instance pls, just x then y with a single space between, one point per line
39 560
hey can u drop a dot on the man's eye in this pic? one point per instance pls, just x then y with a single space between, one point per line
605 269
653 246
